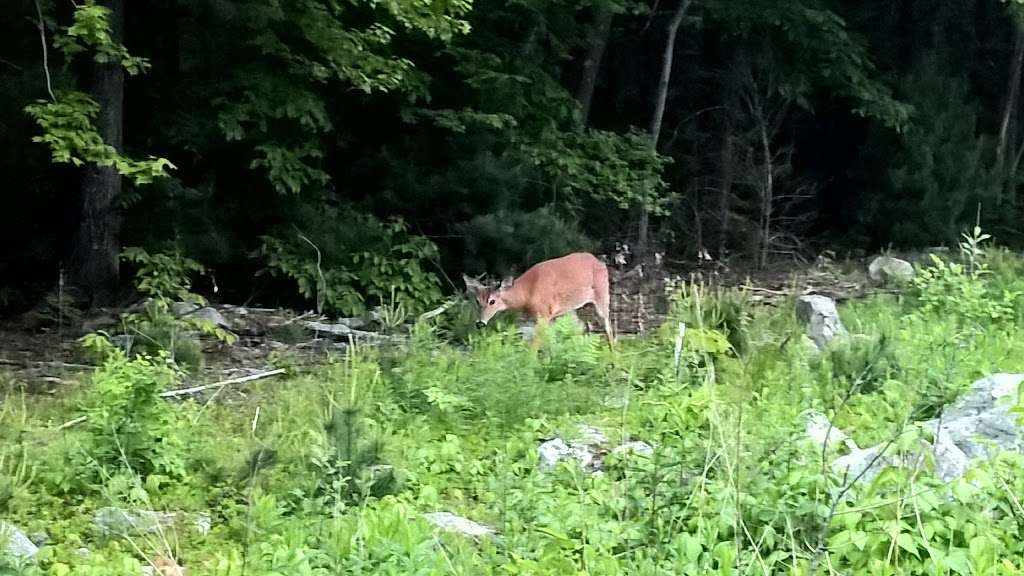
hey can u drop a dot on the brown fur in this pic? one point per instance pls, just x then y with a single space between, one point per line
550 289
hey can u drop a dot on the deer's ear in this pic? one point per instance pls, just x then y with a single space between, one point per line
472 284
506 283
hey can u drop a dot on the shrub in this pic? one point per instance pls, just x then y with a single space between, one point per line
349 262
961 290
163 278
129 425
508 241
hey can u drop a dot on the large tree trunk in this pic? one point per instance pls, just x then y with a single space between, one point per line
597 41
660 97
95 252
1007 140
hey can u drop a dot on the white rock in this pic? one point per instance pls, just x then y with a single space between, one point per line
551 452
455 523
889 270
634 447
190 310
818 313
112 521
16 544
590 436
978 425
822 432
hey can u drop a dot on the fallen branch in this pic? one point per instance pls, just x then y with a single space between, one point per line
8 362
436 311
343 330
71 423
222 383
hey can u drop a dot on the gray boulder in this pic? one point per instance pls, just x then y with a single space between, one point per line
112 521
15 544
587 448
819 315
208 313
889 270
978 425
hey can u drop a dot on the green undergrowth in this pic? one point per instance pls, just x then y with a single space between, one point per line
330 470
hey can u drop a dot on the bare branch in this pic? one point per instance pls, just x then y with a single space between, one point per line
46 54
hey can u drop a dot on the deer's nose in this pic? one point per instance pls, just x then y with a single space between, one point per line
480 323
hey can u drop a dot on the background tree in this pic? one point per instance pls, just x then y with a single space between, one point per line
485 136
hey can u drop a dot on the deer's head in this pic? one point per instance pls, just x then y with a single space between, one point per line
491 299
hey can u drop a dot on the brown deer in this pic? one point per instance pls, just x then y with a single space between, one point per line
548 290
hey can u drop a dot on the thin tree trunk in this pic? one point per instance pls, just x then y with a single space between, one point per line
1009 108
768 190
597 41
94 260
661 96
727 175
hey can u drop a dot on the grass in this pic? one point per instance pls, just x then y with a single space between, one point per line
330 471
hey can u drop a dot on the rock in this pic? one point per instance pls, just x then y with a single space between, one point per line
553 451
588 449
123 341
111 521
822 432
863 462
634 447
820 316
889 270
455 523
98 322
978 425
590 436
183 308
210 314
16 544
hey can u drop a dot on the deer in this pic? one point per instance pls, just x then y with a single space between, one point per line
548 290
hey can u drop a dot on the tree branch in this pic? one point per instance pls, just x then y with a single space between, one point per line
46 54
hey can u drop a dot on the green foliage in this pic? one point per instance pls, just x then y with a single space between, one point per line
69 133
278 104
164 278
351 468
856 365
937 178
960 289
595 166
67 119
505 241
731 487
343 269
815 50
130 427
90 32
708 313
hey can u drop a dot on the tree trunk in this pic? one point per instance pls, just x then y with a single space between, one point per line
94 260
597 41
727 175
767 192
660 97
1006 175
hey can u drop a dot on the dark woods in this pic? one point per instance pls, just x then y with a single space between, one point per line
395 145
